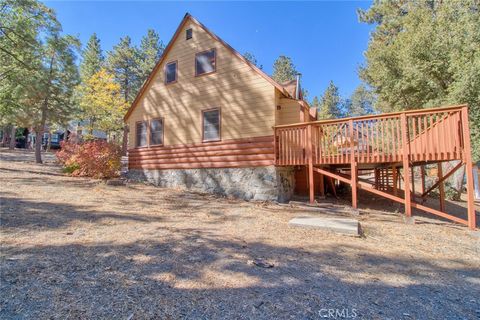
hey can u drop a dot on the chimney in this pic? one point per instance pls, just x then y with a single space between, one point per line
297 89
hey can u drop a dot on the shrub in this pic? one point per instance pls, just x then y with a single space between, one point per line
97 159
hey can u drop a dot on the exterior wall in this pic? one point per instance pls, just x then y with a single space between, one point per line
289 112
245 98
267 183
248 152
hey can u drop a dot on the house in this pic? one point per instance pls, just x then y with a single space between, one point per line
208 119
204 119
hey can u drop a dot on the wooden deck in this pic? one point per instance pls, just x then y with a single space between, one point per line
396 141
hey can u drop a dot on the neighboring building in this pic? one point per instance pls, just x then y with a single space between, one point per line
204 119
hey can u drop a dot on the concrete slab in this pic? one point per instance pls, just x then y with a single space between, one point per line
339 225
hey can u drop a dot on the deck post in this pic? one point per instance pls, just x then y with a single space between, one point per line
441 186
468 168
275 146
353 166
406 164
422 172
308 149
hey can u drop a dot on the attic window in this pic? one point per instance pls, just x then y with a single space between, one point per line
189 34
205 62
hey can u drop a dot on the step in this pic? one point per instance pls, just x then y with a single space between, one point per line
345 226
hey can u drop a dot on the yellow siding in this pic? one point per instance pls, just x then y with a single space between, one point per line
289 112
246 100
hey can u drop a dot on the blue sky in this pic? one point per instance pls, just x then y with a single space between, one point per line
324 39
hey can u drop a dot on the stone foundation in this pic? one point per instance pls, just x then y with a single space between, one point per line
255 183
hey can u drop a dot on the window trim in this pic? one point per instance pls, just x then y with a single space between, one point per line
136 135
215 62
165 72
150 132
219 124
186 34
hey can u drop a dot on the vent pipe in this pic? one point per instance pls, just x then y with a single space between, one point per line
297 89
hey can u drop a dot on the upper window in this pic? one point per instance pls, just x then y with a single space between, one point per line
171 72
141 134
156 132
205 62
211 125
188 34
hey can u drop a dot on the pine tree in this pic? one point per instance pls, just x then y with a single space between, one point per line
151 48
250 57
92 58
284 70
360 103
122 62
330 104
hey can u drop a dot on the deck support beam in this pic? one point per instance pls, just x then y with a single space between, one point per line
468 169
406 164
394 182
441 186
444 177
311 184
354 176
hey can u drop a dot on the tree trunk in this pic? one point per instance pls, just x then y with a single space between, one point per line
5 136
12 138
38 146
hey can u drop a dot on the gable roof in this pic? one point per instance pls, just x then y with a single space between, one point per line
186 18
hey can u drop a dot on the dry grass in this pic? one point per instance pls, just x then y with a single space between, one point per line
77 248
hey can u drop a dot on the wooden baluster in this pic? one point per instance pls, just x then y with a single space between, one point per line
399 140
368 141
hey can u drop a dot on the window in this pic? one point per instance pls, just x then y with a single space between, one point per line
171 72
211 125
156 132
188 34
205 62
141 134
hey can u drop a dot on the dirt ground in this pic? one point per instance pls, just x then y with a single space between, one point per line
74 248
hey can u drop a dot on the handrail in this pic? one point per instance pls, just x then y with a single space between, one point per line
415 112
373 138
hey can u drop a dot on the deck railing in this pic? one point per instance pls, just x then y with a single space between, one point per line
421 135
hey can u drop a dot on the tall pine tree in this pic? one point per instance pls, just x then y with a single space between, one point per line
284 69
330 104
150 50
360 103
122 62
92 58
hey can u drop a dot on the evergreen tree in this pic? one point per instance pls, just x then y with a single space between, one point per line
360 103
37 67
122 62
424 54
284 70
330 104
316 103
92 58
250 57
151 48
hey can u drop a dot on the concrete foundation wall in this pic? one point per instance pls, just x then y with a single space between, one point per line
255 183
